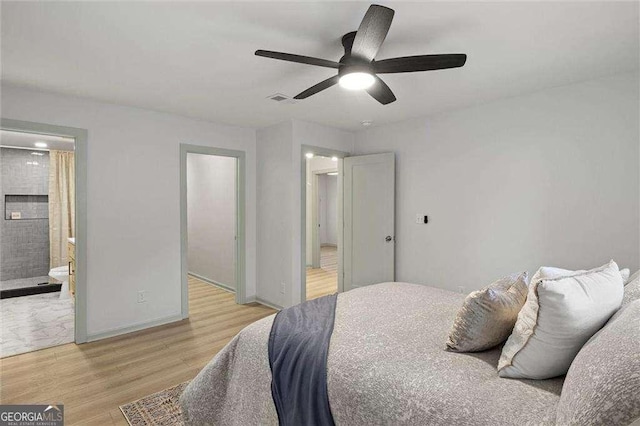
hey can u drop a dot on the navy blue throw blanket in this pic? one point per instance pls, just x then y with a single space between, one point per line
298 349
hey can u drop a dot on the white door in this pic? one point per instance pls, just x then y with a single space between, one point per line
369 219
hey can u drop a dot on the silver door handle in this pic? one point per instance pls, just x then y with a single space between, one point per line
389 238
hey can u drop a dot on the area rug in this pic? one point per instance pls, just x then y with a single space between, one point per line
158 409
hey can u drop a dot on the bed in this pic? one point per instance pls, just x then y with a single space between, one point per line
387 364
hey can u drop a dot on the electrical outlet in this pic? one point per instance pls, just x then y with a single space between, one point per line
283 287
142 296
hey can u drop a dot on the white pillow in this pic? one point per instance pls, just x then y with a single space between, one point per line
563 310
551 272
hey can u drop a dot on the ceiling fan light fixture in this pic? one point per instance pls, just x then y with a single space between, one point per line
358 68
357 80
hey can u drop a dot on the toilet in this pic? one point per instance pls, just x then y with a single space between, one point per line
61 273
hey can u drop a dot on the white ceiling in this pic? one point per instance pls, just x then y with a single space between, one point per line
196 58
9 138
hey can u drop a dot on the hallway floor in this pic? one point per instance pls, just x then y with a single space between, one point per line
29 323
324 280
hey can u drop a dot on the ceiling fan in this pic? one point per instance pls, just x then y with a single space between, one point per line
358 69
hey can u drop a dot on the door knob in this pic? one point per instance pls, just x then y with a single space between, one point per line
389 238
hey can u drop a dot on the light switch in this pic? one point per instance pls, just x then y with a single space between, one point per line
421 219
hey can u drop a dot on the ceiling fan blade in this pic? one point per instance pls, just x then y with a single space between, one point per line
318 87
419 63
298 58
381 92
372 32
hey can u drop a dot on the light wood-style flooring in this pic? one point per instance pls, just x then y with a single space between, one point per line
324 280
92 380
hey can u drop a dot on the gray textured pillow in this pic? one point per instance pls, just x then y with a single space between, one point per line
632 290
602 386
487 316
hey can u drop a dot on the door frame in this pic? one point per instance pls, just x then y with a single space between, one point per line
240 267
315 217
80 161
323 152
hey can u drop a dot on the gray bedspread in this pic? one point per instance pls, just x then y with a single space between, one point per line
386 365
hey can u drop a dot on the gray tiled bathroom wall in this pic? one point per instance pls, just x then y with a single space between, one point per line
24 186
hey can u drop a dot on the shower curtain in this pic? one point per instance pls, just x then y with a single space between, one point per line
62 205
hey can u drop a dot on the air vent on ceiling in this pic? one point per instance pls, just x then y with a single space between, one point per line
279 97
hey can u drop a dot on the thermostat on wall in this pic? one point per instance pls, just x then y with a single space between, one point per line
16 215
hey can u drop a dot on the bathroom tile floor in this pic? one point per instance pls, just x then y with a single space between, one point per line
29 323
24 282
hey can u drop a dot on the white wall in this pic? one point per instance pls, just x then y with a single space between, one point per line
331 205
280 178
327 194
274 207
322 208
549 178
133 200
211 217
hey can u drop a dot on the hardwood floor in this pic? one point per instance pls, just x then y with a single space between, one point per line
324 280
93 379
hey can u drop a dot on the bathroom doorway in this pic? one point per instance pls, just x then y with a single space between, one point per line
212 215
37 230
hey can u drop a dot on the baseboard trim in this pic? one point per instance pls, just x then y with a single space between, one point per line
215 283
133 328
265 303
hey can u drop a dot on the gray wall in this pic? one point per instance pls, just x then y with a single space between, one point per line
549 178
25 243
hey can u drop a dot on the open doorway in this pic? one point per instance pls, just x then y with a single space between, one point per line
38 234
322 228
211 219
365 225
212 222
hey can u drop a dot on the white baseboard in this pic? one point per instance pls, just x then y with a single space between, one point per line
222 286
264 302
133 328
